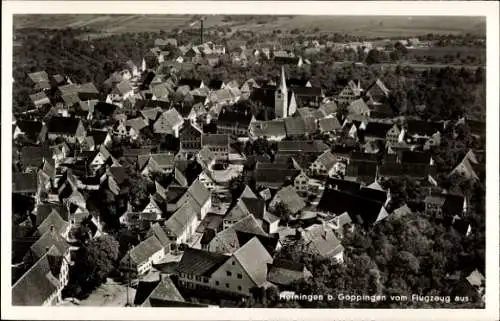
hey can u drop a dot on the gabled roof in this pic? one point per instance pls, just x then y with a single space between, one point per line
163 160
378 130
274 178
424 128
179 221
144 250
161 91
198 192
307 91
53 220
288 196
269 128
37 284
327 159
39 76
137 123
358 107
329 124
199 262
151 113
160 234
329 108
322 240
303 146
284 272
24 182
221 140
31 129
47 240
378 85
361 209
170 119
63 125
234 118
165 291
253 257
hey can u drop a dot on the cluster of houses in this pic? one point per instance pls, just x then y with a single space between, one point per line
328 170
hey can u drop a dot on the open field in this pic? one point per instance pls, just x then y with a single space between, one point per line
369 26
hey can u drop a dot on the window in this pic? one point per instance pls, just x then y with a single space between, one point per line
239 288
229 273
198 278
205 280
227 285
216 282
240 276
233 263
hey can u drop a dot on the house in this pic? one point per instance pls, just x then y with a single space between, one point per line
116 179
340 224
300 126
374 131
424 129
237 274
323 164
142 257
292 147
169 122
35 131
199 197
358 107
217 144
284 272
160 293
467 167
234 122
289 197
350 93
301 183
378 91
237 220
39 99
320 240
71 129
294 61
273 177
272 130
134 126
191 83
445 205
161 91
308 96
162 162
477 281
329 125
121 92
42 284
181 226
190 140
24 183
39 77
364 206
53 221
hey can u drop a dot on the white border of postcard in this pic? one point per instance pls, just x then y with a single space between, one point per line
425 8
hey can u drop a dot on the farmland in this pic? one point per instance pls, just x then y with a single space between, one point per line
365 26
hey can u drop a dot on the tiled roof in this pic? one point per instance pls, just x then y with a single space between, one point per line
221 140
46 241
304 146
289 197
165 291
253 257
179 221
322 240
39 76
284 272
273 178
37 284
327 159
307 91
358 107
329 108
329 124
144 250
53 220
160 234
30 128
24 182
137 123
269 128
199 262
234 118
63 125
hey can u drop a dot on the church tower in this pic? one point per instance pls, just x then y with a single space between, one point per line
281 97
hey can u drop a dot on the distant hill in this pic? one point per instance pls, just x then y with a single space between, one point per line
368 26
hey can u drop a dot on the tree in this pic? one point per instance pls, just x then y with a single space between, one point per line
282 211
375 57
94 262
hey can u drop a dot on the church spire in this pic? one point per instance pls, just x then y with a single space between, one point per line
283 78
